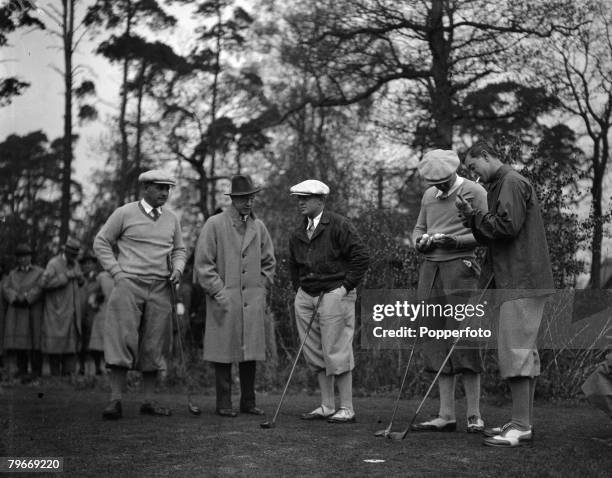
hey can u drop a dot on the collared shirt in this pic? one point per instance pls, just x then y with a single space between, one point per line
24 268
453 188
315 221
148 208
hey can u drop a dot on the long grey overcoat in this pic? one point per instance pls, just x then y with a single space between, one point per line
234 270
23 321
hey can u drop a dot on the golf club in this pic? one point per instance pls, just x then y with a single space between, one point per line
272 424
401 435
386 431
193 409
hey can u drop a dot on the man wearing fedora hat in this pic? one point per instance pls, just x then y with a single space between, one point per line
150 260
234 264
327 257
23 294
448 247
89 291
61 330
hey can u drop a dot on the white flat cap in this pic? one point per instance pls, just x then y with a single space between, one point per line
438 165
156 176
310 187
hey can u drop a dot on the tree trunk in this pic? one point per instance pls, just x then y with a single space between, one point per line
213 116
123 159
137 148
441 90
598 174
67 35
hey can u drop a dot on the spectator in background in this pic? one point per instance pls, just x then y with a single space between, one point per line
3 306
97 302
22 330
88 264
61 329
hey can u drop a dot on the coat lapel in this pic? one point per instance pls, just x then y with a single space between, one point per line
249 234
320 227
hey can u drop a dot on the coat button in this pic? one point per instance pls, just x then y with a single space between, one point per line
245 304
243 287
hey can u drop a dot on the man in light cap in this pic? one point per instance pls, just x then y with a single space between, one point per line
326 257
449 251
234 264
61 328
517 257
150 260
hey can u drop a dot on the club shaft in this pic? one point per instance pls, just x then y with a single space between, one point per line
314 314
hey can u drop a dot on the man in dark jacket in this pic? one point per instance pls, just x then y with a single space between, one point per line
326 256
518 259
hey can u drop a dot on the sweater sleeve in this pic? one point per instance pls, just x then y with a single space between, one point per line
477 196
421 225
205 266
106 238
179 252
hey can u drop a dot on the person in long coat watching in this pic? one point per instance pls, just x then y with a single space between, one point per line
61 329
234 264
23 294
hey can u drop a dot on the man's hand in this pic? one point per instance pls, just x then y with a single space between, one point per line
424 243
175 277
463 205
118 276
341 291
445 241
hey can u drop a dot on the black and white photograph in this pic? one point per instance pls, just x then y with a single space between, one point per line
316 238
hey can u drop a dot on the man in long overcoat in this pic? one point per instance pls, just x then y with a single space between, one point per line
61 329
23 294
234 264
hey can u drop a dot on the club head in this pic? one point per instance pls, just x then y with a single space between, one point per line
396 436
382 433
194 409
267 425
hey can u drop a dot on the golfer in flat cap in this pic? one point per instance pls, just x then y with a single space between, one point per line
449 251
513 231
150 260
23 321
62 315
234 264
326 256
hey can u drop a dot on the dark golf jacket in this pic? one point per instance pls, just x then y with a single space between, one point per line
334 256
513 230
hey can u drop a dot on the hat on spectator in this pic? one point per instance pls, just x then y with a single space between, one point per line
438 165
156 176
310 187
72 246
242 186
23 250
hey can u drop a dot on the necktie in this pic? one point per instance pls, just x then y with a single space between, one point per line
310 229
154 213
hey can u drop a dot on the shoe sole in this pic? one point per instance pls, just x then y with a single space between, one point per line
520 443
475 430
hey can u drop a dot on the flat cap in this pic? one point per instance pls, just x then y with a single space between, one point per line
156 176
310 187
438 165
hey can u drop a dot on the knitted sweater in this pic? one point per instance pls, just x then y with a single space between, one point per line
440 216
144 244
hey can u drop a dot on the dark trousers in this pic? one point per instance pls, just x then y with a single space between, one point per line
23 357
223 378
62 364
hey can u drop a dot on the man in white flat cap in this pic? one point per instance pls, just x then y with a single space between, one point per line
150 260
448 248
326 256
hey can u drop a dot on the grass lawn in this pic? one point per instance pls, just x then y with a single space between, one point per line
52 420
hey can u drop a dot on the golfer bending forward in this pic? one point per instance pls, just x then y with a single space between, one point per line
326 256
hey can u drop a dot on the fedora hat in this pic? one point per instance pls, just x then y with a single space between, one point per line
23 250
242 186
